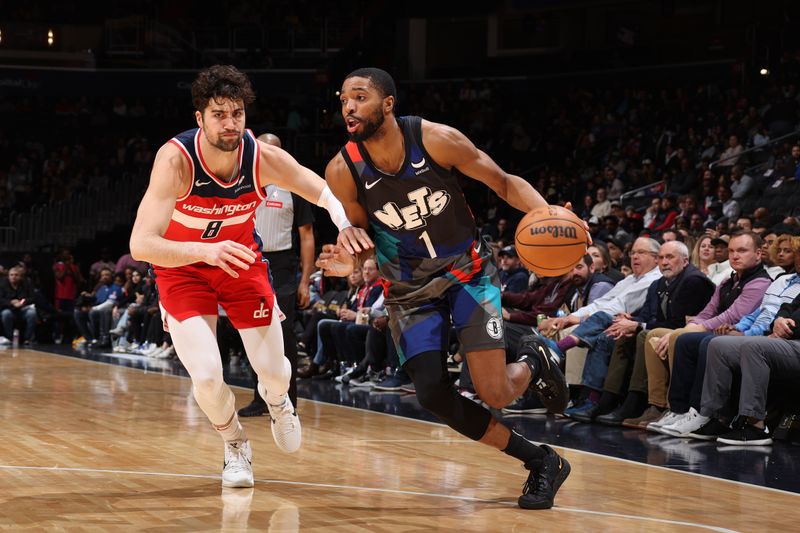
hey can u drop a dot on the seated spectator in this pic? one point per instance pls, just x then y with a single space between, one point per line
741 184
603 206
756 359
686 383
616 250
738 296
703 254
513 276
94 310
780 258
730 156
666 214
17 306
602 261
744 223
127 261
615 231
104 262
730 207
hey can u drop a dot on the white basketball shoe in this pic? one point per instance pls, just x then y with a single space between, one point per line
238 469
285 426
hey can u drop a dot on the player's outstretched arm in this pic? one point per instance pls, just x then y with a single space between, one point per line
451 148
169 180
279 167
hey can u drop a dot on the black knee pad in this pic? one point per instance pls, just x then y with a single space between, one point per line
436 394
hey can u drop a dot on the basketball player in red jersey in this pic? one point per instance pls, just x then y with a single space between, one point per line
397 176
195 224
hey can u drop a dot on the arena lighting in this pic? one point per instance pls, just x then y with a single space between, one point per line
50 39
764 72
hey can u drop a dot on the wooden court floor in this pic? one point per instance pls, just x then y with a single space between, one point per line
93 447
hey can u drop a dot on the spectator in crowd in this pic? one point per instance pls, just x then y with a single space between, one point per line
603 206
704 258
733 299
94 310
501 232
602 261
68 278
615 231
104 262
741 183
730 207
665 217
686 382
127 261
513 276
17 296
781 256
730 156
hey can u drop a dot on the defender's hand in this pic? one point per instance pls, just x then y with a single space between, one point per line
354 240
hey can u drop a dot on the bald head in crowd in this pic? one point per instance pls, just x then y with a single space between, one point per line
269 138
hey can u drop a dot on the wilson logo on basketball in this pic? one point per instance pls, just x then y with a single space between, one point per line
556 232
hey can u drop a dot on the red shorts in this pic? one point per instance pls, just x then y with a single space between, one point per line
195 290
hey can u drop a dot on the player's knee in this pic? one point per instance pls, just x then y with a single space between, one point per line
206 386
436 397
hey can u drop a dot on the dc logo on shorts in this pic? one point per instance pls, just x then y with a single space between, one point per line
494 327
261 312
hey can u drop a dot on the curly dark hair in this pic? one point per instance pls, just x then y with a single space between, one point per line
221 81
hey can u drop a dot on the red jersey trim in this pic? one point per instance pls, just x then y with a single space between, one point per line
204 166
260 191
352 151
185 153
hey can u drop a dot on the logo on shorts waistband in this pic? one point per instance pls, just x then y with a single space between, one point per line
261 312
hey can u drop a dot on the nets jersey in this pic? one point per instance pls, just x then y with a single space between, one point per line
420 218
214 209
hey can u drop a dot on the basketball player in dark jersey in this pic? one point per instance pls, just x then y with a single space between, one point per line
195 224
397 177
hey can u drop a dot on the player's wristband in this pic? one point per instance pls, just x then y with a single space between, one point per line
335 209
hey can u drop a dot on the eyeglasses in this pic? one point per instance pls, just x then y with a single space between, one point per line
643 252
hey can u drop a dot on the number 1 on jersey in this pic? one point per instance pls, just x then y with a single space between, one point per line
428 244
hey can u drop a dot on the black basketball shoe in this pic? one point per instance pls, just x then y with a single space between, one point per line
547 379
542 485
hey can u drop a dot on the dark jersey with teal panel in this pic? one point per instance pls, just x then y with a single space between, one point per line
420 218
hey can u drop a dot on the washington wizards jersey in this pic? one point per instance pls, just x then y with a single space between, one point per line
420 218
214 209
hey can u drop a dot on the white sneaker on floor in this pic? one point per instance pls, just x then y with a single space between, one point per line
667 418
688 424
238 468
166 353
285 426
4 341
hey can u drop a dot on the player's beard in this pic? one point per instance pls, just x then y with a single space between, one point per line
226 144
369 127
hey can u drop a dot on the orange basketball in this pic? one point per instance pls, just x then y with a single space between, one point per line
550 240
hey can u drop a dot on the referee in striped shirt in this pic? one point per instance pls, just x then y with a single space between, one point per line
276 218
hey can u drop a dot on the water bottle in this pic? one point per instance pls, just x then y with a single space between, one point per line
15 338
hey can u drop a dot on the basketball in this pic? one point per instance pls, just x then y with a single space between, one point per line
550 240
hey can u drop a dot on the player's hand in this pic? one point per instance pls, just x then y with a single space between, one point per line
227 255
303 295
568 205
354 240
782 327
335 261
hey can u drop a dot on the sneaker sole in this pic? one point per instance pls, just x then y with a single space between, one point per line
760 442
560 478
537 411
242 484
701 437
